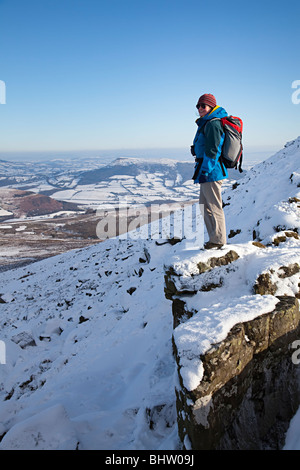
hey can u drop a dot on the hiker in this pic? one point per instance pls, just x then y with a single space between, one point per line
209 171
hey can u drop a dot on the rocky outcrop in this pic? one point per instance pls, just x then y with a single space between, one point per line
248 390
176 285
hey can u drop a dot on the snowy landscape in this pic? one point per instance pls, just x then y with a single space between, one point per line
51 207
86 356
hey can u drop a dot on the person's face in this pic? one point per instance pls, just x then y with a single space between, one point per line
204 109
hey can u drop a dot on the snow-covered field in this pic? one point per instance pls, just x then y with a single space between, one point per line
136 180
88 334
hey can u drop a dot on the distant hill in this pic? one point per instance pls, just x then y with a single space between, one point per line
170 169
28 204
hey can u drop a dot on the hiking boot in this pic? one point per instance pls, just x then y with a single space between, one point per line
210 245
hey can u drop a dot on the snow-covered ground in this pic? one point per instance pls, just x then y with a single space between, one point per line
102 356
88 334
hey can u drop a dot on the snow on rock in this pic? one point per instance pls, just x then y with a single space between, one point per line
211 326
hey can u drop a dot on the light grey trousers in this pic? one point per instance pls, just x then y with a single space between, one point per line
211 207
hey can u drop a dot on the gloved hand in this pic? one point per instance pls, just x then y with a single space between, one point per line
193 150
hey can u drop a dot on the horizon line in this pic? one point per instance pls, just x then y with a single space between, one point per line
124 149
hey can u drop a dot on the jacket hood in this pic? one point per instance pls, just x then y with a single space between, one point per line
217 112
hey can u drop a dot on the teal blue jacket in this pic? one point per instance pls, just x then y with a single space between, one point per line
208 143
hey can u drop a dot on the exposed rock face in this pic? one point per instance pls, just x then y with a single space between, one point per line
249 390
217 261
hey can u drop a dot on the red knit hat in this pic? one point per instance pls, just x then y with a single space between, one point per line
208 99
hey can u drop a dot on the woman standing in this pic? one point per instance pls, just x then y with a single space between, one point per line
209 171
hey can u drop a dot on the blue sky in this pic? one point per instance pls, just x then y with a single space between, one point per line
126 74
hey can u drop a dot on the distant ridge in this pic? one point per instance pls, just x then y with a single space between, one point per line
134 167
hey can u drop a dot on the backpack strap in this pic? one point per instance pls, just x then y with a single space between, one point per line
222 166
241 159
